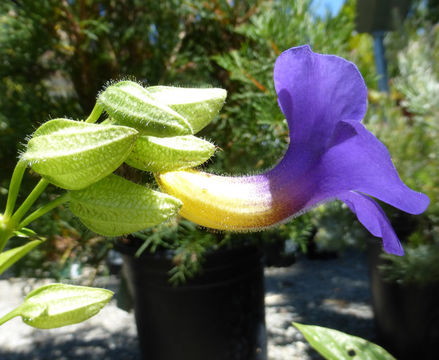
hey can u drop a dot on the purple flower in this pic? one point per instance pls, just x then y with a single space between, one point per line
331 156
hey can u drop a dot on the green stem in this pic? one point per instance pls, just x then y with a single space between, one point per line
6 232
33 196
44 209
95 113
14 187
9 316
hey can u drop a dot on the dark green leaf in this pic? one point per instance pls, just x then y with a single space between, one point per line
8 258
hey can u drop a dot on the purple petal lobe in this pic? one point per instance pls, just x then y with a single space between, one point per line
370 214
316 91
357 160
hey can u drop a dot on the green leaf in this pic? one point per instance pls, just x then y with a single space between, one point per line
57 305
171 153
198 106
336 345
25 233
10 257
73 155
130 104
115 206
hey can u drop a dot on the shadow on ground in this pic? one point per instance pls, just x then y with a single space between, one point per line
110 346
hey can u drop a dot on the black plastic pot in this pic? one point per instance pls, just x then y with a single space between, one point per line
218 315
406 316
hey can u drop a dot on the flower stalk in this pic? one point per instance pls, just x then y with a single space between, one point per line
30 200
44 209
14 187
95 114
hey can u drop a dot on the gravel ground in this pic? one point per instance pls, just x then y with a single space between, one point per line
333 293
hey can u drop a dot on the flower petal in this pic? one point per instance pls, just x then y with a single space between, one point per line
372 216
316 91
357 160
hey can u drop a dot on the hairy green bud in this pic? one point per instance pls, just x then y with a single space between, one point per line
132 105
57 305
115 206
198 106
167 154
73 155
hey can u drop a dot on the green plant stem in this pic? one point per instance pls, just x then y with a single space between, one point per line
9 316
14 187
6 232
33 196
95 113
44 209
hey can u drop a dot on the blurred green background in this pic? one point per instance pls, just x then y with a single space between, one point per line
56 55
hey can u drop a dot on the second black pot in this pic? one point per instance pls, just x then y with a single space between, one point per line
406 316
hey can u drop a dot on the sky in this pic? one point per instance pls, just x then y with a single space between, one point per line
334 6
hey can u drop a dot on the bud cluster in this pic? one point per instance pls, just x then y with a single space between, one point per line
151 129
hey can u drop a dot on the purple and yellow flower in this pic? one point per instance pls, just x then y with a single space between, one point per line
331 156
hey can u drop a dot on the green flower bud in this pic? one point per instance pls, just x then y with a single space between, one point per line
115 206
73 155
198 106
130 104
170 153
57 305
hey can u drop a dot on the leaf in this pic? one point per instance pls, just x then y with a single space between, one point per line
57 305
336 345
171 153
10 257
115 206
198 106
25 233
130 104
73 155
